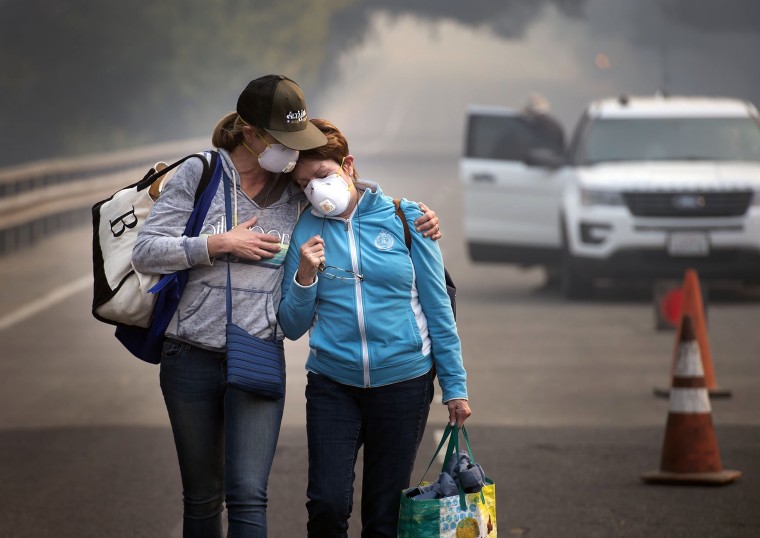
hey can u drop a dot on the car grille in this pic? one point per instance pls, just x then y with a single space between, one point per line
688 204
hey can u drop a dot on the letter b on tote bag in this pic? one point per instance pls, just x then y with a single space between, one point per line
121 294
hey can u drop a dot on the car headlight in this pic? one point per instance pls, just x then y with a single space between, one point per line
591 197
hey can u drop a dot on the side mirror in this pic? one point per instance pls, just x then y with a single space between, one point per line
545 158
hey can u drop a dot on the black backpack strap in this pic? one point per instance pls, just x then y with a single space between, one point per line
400 213
451 288
208 171
154 174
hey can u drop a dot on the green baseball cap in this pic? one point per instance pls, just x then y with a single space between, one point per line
276 104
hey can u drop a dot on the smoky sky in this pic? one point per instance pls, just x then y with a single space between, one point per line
689 47
63 87
508 18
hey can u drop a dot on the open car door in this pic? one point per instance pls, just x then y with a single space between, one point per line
511 208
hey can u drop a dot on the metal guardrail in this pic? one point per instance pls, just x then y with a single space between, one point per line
41 198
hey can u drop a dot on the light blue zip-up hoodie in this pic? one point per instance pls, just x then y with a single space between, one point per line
391 326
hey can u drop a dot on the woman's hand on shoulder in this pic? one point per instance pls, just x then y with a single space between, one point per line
428 223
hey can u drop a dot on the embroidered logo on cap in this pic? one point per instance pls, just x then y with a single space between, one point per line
296 116
384 240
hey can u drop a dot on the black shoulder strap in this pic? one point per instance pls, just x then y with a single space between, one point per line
451 288
400 213
154 174
208 171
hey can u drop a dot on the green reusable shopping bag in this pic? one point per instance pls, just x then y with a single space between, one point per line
467 515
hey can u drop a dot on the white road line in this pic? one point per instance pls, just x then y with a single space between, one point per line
55 296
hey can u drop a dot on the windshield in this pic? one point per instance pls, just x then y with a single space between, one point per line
666 139
508 138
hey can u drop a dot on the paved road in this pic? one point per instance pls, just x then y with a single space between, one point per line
564 417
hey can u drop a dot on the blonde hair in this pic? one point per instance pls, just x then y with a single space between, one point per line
228 133
336 148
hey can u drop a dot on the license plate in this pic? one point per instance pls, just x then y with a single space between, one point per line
688 244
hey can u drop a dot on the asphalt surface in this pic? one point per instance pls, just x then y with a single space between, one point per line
122 481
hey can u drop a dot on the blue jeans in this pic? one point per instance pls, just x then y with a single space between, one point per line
389 422
225 441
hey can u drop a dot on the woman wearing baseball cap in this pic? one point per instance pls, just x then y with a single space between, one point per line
226 438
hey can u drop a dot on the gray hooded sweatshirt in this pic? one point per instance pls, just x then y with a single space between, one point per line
161 249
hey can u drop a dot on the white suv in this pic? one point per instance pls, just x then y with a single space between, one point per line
648 188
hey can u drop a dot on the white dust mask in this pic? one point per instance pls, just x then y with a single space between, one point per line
329 195
276 158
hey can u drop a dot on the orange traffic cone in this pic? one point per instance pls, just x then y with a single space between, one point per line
690 451
692 306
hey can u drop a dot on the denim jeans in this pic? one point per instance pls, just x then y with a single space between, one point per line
225 441
389 422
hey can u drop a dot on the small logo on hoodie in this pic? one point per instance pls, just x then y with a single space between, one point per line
384 240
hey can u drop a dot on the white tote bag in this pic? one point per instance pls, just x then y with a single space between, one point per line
121 293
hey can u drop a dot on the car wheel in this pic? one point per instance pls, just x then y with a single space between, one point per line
572 284
553 276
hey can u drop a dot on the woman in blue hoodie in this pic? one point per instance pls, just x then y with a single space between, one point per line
381 327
